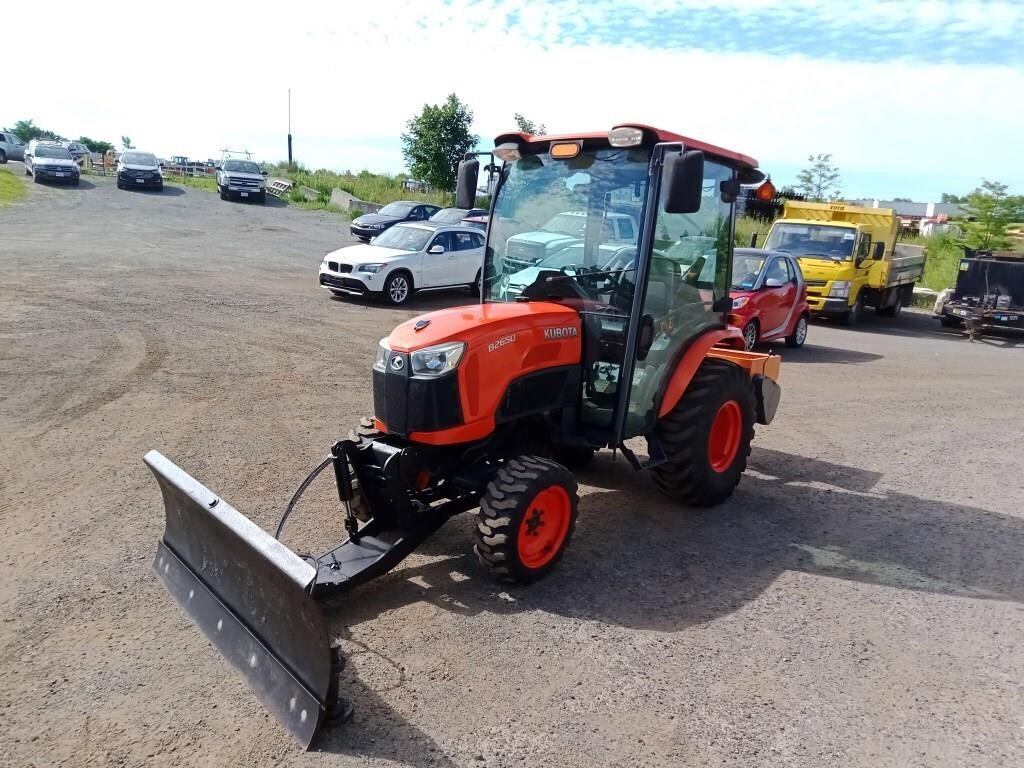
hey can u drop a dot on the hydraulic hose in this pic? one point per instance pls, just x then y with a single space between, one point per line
298 493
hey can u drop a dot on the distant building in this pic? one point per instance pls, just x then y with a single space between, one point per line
917 217
411 185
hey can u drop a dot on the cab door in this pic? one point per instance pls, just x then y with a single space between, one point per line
777 296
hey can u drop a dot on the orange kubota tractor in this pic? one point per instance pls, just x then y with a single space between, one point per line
582 340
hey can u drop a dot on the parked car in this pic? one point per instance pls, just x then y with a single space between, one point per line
49 161
769 297
406 258
610 257
241 179
456 215
139 170
372 224
477 222
78 150
11 147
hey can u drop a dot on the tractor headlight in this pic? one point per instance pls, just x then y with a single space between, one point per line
372 268
434 361
382 355
840 289
740 302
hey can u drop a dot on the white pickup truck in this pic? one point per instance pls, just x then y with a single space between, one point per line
564 230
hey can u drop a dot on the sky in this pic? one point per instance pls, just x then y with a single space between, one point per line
912 99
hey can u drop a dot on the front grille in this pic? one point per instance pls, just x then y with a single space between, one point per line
817 283
814 293
237 182
53 168
335 266
515 265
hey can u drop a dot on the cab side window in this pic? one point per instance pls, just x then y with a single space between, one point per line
778 270
444 239
464 241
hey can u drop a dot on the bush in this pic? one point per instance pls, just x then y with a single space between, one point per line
944 254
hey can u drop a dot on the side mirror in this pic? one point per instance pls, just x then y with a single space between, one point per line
465 187
682 181
264 172
217 168
436 249
773 282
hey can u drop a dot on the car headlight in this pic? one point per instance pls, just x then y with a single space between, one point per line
373 268
434 361
840 289
382 355
740 302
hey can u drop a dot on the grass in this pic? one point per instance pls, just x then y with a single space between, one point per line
746 227
11 187
943 261
199 182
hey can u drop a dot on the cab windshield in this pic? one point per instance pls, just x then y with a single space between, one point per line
819 241
553 214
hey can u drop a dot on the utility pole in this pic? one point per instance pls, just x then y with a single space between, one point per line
289 128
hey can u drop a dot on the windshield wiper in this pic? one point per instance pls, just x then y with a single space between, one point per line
820 256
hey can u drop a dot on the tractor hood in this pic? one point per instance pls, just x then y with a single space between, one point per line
479 323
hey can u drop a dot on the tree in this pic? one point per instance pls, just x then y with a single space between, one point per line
94 145
528 126
954 199
988 211
26 130
820 181
902 200
127 142
436 140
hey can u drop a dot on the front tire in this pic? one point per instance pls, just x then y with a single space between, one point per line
855 315
398 289
750 334
799 334
262 198
707 436
3 157
526 518
949 321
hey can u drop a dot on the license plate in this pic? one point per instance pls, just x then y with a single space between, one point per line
961 312
245 194
59 174
1007 318
140 181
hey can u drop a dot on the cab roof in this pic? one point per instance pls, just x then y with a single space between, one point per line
741 160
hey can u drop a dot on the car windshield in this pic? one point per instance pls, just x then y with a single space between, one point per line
449 215
820 241
241 166
745 269
405 238
542 198
398 210
53 152
138 158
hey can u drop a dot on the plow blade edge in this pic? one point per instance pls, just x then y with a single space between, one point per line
250 595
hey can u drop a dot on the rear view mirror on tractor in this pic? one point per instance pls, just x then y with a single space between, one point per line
682 181
465 187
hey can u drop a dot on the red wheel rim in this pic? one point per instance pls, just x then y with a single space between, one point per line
726 433
544 527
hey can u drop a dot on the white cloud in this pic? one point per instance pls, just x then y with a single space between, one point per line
358 73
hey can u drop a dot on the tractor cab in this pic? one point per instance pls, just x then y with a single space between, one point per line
556 235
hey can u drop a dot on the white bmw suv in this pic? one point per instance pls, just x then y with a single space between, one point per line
404 259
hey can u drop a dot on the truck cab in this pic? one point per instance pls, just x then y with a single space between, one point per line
849 258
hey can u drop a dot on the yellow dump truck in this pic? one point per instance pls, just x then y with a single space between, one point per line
849 257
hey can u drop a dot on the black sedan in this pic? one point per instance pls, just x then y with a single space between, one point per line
372 224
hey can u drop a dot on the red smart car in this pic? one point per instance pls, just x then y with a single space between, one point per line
769 297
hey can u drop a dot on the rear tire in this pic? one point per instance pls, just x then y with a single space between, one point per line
894 309
799 334
707 436
526 518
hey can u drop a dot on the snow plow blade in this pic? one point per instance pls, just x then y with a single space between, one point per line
251 596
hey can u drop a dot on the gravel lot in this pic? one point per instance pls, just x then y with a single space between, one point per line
858 602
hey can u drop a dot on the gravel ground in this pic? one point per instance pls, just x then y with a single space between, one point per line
856 603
